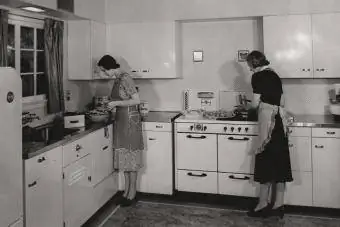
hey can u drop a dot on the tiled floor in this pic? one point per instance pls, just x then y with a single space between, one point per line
157 214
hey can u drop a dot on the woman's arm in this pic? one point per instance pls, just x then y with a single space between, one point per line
133 101
256 100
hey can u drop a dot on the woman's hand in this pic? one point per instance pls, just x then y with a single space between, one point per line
113 104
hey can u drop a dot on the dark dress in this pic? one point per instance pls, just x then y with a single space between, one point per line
273 164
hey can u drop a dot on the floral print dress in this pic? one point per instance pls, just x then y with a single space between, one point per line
128 137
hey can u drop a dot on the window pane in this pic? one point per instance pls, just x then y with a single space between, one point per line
11 40
40 61
40 39
27 85
11 58
27 38
27 61
42 84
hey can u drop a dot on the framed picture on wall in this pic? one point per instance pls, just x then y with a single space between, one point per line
242 55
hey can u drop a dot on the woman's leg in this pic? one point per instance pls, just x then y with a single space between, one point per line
127 184
133 185
279 195
263 196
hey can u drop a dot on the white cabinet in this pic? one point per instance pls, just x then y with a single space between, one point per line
79 203
102 154
147 50
326 45
288 45
51 4
196 151
326 168
43 190
300 191
89 9
86 45
156 175
303 46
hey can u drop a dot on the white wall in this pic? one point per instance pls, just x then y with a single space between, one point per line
146 10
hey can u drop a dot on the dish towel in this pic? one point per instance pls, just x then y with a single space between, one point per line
266 118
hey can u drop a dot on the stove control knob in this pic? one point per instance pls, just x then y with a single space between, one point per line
205 128
191 127
246 129
239 129
199 127
232 129
225 129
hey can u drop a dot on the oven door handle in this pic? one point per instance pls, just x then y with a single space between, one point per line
197 175
243 139
239 178
196 137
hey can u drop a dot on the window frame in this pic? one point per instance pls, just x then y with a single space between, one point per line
23 21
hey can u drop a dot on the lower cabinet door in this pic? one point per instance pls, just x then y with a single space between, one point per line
78 192
197 181
237 184
299 192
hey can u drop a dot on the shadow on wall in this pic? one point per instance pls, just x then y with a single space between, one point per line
148 93
239 82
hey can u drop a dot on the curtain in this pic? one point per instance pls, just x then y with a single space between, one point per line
3 37
53 34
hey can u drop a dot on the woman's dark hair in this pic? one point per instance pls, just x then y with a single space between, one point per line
108 62
257 59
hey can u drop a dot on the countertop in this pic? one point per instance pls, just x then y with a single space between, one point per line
161 116
28 153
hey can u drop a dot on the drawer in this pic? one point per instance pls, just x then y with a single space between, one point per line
77 149
237 184
326 132
299 131
196 151
34 167
197 181
157 126
74 121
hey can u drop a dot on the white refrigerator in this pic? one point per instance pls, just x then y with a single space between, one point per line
11 165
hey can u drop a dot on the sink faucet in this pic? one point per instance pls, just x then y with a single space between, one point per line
28 117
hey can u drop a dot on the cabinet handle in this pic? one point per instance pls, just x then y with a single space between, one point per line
330 133
243 139
106 132
104 148
40 160
152 138
322 70
159 126
74 122
239 178
317 70
78 147
319 146
196 137
33 184
134 71
89 178
197 175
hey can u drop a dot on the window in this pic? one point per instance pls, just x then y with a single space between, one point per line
26 54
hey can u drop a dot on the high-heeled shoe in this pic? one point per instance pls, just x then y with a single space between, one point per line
278 212
128 202
262 213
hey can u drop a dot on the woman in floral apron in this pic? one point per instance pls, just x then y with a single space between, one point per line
272 160
128 137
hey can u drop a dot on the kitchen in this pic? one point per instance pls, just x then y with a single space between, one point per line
179 53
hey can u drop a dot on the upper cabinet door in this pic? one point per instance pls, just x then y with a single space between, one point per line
90 9
288 45
326 45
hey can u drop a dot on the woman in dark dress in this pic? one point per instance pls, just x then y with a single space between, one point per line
272 160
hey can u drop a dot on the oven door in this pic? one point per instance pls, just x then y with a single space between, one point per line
235 154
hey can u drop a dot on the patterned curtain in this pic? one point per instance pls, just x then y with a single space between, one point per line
3 37
53 31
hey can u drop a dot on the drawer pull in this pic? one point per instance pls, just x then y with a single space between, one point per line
243 139
330 133
196 137
74 122
105 148
40 160
159 126
89 178
78 147
197 175
152 138
106 132
33 184
239 178
318 146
